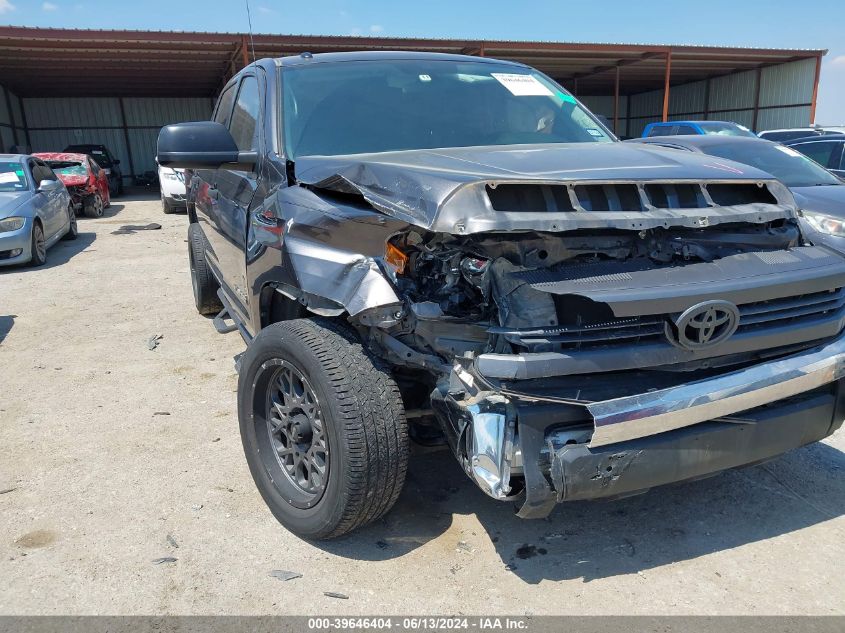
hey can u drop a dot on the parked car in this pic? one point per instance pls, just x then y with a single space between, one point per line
682 128
84 179
172 185
454 243
35 210
791 134
826 150
819 194
106 160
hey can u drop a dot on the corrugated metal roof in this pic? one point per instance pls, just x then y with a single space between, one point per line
195 63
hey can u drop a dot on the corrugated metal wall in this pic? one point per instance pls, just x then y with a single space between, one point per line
786 91
11 121
130 134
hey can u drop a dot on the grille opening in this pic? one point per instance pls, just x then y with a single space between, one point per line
726 195
530 198
676 196
609 197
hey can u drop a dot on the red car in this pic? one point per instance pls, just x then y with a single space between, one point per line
85 180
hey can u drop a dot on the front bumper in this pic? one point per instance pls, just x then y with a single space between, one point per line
20 240
570 451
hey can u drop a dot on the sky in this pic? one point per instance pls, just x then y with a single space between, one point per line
773 23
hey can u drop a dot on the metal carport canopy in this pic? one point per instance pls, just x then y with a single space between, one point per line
39 62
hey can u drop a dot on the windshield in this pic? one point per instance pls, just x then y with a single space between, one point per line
12 177
790 167
726 129
68 168
379 106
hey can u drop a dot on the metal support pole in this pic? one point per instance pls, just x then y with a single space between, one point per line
815 89
616 103
706 98
666 78
759 76
126 139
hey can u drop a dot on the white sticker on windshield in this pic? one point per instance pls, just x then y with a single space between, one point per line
425 77
594 132
522 85
7 177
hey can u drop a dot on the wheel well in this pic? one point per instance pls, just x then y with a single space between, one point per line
277 307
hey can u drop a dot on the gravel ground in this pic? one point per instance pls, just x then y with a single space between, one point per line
115 455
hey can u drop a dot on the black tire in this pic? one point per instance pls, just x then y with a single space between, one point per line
38 246
73 231
93 206
204 284
165 206
360 413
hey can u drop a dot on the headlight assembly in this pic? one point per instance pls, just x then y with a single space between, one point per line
824 223
10 224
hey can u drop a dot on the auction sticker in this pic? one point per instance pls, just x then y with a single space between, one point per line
522 85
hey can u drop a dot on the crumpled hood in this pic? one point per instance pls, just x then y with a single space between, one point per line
10 201
443 189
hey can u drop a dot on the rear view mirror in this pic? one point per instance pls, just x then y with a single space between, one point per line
201 145
49 185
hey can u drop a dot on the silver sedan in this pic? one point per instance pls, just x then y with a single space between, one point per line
35 210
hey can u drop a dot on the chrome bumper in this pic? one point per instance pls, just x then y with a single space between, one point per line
632 417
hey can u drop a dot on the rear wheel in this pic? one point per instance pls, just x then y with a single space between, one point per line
93 206
323 427
204 284
73 231
38 246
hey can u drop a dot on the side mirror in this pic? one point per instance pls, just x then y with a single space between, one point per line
202 145
47 186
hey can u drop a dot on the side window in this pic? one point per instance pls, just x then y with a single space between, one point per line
244 124
33 170
819 151
661 130
41 171
224 106
842 160
686 130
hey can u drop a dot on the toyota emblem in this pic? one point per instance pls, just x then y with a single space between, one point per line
704 325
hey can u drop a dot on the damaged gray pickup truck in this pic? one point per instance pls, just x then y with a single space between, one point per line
448 248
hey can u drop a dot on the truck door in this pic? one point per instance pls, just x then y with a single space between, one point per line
206 195
236 190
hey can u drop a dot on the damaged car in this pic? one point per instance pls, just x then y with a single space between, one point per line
86 182
421 245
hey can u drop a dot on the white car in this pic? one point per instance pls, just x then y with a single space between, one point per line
172 184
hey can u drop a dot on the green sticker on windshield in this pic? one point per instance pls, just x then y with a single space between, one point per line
19 173
565 97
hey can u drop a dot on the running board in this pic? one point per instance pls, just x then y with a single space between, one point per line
227 320
221 324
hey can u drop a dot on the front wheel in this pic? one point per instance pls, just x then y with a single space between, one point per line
73 229
323 427
38 246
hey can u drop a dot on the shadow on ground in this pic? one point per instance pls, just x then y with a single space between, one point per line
137 194
7 321
591 540
60 253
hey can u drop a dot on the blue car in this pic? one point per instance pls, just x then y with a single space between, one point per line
35 210
687 128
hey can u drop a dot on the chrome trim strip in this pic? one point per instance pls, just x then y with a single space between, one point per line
641 415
